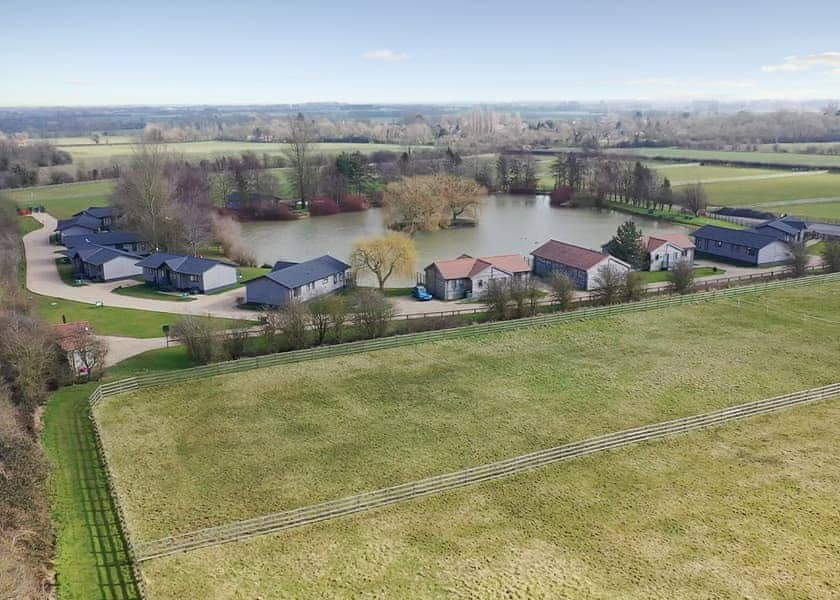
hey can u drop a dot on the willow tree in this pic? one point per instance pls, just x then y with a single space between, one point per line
431 202
383 256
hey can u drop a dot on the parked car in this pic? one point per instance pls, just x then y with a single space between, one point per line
420 293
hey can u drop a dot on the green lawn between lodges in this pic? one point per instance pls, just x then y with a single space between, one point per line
28 224
745 510
660 276
141 290
300 434
110 320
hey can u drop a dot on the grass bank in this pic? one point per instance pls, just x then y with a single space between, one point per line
303 433
740 511
91 557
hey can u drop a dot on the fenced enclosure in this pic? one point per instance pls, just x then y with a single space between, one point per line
305 515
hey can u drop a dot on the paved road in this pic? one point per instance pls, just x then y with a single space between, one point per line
42 278
120 348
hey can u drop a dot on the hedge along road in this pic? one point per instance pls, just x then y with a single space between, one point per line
42 278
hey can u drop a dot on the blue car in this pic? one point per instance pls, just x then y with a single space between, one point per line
420 293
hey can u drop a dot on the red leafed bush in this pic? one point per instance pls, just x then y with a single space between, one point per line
353 203
561 196
323 205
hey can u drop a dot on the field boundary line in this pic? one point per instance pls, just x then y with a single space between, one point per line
275 522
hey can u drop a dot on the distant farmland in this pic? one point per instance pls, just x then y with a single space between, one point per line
765 158
197 150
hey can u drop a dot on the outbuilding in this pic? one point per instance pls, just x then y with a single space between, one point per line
743 246
579 264
454 279
298 281
99 263
187 273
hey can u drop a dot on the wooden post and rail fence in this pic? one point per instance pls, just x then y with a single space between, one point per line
297 517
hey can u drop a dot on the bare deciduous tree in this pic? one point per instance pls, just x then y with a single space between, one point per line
302 136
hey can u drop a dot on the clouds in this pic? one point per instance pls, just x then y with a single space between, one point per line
831 60
385 55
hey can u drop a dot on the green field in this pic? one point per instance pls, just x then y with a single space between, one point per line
816 210
743 193
769 158
747 510
298 434
193 150
679 174
62 201
87 141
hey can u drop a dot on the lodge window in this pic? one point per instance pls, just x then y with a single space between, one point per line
193 278
751 251
718 244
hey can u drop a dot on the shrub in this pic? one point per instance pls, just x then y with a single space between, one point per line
561 196
831 256
371 312
634 287
353 203
322 205
801 258
681 277
562 290
200 338
609 285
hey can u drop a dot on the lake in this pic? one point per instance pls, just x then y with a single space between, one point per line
508 224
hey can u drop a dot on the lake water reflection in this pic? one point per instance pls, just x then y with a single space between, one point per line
508 224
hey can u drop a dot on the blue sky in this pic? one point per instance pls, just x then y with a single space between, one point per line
183 51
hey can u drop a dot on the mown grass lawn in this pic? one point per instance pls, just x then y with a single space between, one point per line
298 434
746 510
111 320
28 224
660 276
141 290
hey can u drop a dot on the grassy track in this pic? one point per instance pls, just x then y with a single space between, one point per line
735 512
298 434
769 158
91 557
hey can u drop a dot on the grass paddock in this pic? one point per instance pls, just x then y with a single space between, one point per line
299 434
